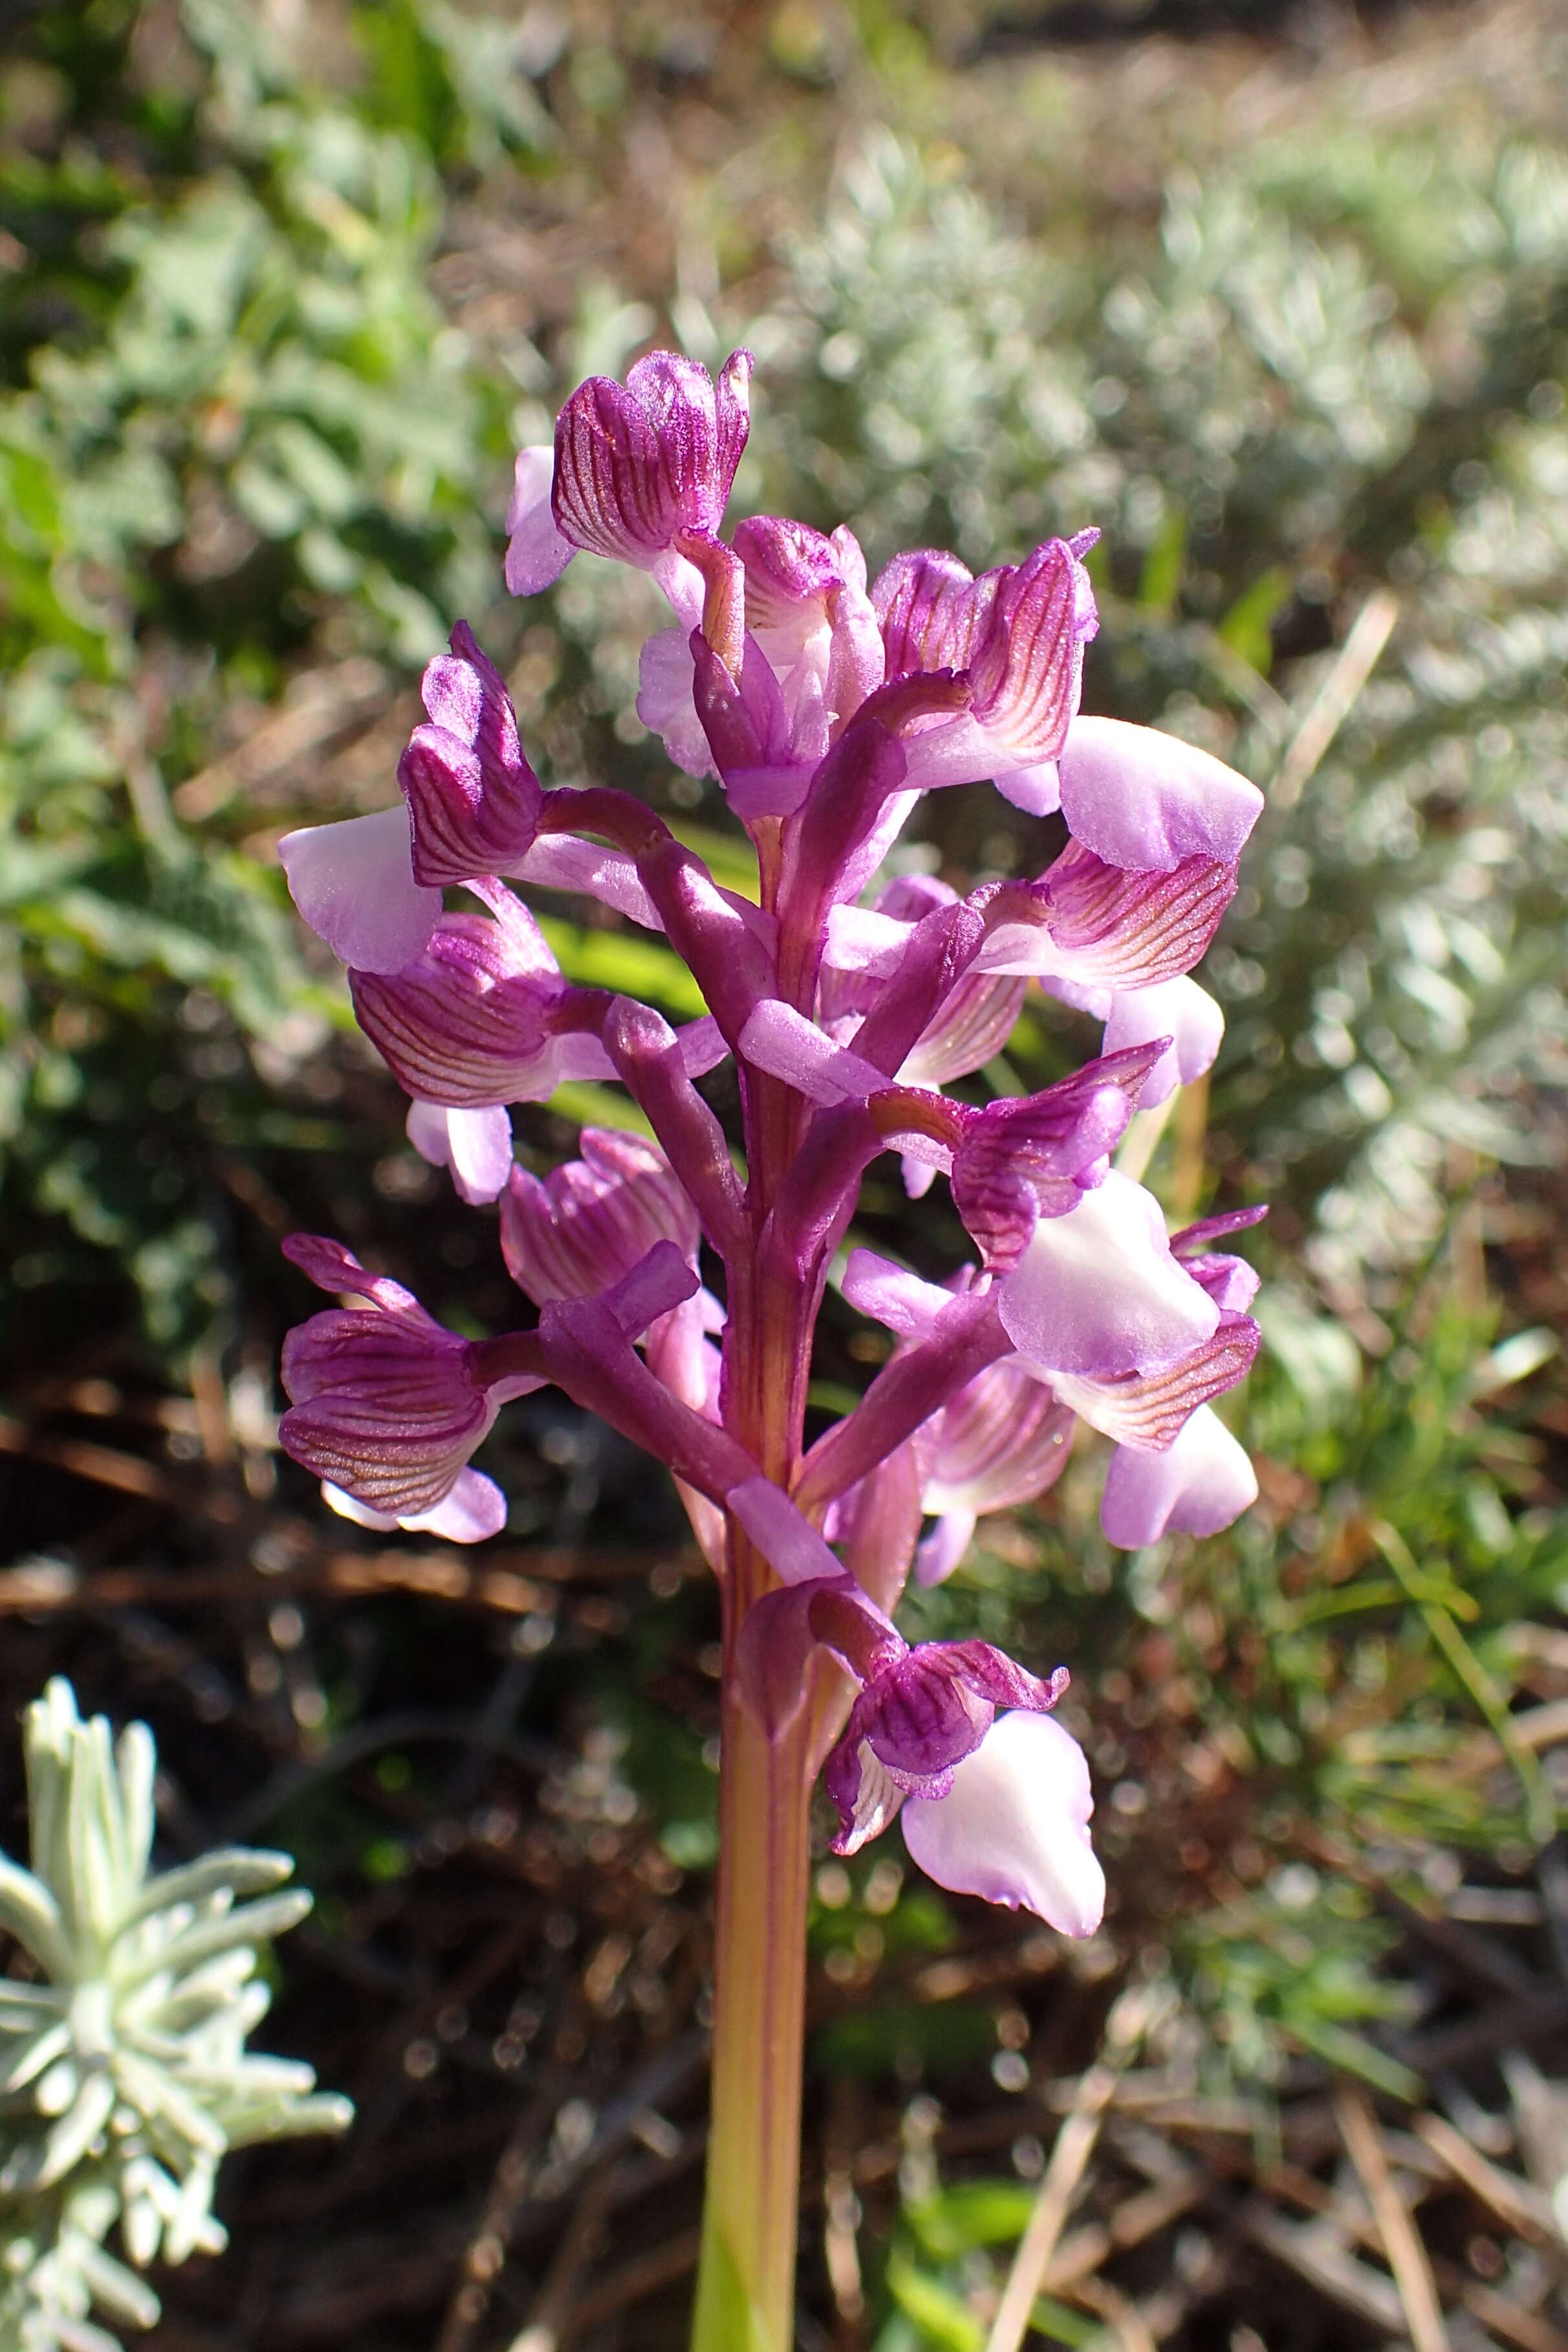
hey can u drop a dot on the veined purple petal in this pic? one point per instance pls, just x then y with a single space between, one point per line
636 467
1097 1292
592 1219
354 884
1014 1828
385 1404
931 609
536 553
1024 1159
1199 1484
1148 1410
972 1029
476 1145
1099 925
918 1715
473 799
1002 1440
481 1018
789 565
1176 1009
1026 667
1144 799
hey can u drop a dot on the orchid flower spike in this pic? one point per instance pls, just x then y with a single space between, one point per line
677 1262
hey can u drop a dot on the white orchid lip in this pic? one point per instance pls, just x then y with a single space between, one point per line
1014 1827
1142 799
1097 1292
1199 1486
354 882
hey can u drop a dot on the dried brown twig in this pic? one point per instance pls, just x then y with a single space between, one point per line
1401 2240
1129 2022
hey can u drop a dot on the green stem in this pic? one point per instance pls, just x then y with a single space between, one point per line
745 2283
745 2288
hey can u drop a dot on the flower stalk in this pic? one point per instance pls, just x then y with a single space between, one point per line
678 1301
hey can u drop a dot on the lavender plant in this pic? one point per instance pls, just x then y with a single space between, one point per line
826 707
124 2077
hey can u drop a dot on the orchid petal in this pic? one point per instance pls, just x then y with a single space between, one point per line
592 1219
1199 1486
473 1510
1014 1828
476 1145
354 882
559 861
477 1019
1148 1410
1036 790
1142 799
1027 1159
638 466
665 703
536 553
938 1554
1027 663
385 1404
1093 925
1097 1292
473 799
788 566
1179 1010
918 1714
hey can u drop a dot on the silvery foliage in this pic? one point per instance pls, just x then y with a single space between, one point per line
124 2077
1323 354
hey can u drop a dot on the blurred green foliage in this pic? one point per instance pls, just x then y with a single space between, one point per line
237 426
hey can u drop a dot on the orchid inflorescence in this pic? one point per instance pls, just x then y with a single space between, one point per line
825 707
124 2077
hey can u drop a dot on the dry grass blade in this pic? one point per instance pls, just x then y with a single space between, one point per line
1129 2022
1317 2252
1527 2329
1335 699
1126 2327
582 2242
1401 2239
1517 2203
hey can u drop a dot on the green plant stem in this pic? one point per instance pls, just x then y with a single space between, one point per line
745 2285
745 2290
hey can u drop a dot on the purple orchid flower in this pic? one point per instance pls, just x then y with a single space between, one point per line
387 1405
850 1004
